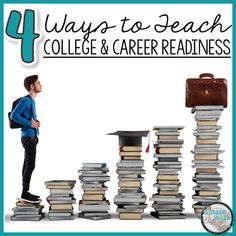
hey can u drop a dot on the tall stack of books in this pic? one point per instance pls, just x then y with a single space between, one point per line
26 211
206 157
94 204
168 202
61 199
130 198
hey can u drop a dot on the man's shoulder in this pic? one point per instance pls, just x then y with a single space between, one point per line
26 100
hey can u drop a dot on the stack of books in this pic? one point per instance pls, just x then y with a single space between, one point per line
168 202
61 199
94 205
206 157
130 199
25 211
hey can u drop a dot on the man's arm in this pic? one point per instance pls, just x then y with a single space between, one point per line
16 114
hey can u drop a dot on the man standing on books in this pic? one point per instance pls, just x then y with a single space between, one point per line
25 114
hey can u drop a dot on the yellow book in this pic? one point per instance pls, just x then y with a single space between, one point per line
206 170
130 149
61 206
206 122
167 177
130 216
206 157
130 184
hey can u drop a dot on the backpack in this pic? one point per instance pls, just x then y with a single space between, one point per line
13 124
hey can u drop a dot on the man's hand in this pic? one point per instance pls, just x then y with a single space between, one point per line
35 124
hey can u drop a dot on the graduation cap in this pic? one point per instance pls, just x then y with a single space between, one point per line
130 138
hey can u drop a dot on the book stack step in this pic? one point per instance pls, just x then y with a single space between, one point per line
168 202
94 204
61 199
130 198
26 211
206 157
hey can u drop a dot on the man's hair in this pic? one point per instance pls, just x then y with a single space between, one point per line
30 80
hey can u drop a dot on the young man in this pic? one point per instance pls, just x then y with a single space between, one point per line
25 114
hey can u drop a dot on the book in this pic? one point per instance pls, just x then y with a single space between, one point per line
94 165
207 108
206 156
168 138
130 163
130 216
94 178
129 184
130 149
172 143
206 170
167 155
59 187
167 217
130 157
169 150
95 216
206 123
167 177
130 199
208 193
168 181
28 218
61 206
168 201
168 128
26 211
94 205
174 134
71 217
168 192
206 141
61 199
60 182
130 153
93 197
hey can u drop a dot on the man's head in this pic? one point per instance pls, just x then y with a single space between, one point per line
31 83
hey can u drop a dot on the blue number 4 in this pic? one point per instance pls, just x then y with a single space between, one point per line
27 36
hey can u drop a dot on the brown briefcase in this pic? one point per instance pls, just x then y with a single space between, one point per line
206 90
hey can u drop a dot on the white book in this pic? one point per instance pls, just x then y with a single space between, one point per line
207 108
93 165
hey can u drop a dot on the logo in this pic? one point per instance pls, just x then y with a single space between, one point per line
217 218
28 34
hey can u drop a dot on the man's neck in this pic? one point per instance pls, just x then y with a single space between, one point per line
33 94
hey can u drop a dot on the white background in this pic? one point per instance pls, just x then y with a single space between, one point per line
83 99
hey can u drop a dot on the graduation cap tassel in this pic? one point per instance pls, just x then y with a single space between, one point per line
148 146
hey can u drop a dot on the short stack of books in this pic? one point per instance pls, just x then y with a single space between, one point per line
25 211
130 198
94 204
206 157
61 199
168 202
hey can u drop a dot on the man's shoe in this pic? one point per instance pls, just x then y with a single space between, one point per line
28 198
34 196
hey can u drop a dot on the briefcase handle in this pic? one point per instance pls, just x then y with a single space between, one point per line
206 75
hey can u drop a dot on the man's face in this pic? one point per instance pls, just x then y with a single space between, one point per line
37 87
